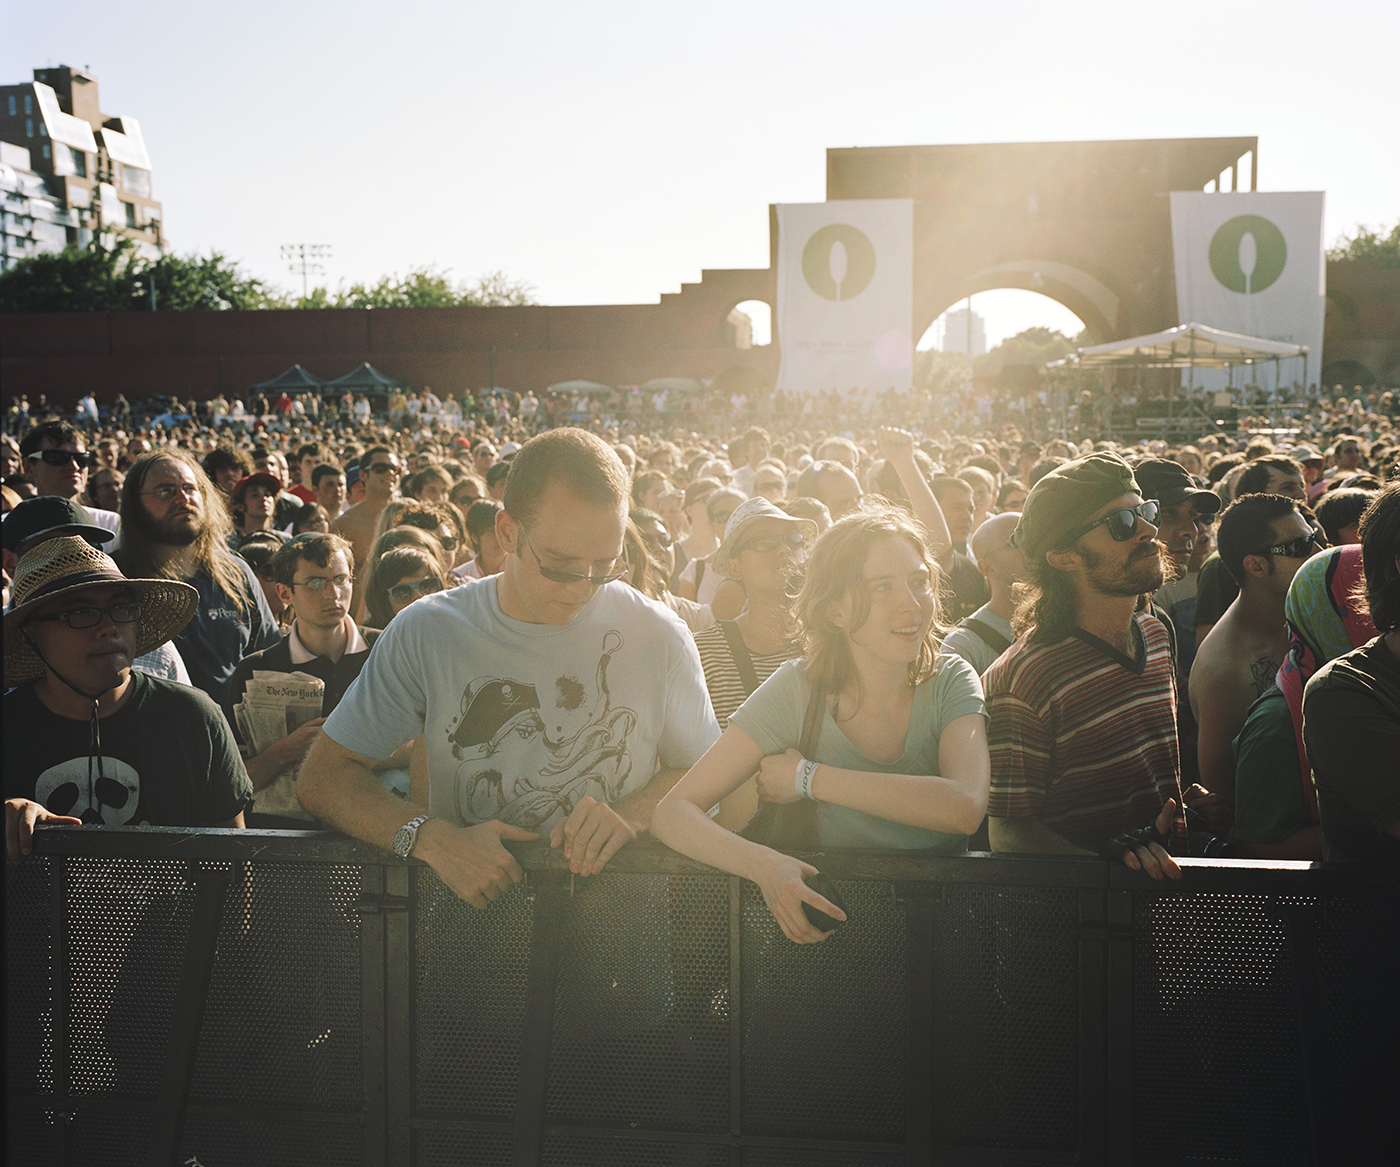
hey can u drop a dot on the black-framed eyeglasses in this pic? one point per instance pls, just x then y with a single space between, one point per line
81 460
554 575
791 539
168 490
1299 548
317 583
122 612
1121 523
406 593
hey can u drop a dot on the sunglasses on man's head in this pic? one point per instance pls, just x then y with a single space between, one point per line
406 592
1299 548
1121 523
63 457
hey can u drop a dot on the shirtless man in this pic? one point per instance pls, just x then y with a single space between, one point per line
379 471
1263 540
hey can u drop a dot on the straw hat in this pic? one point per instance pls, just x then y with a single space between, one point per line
59 567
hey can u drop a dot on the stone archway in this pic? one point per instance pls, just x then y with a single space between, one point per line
1087 297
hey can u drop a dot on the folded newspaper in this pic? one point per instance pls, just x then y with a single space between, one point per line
274 704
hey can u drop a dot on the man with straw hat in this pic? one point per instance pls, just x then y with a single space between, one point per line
152 752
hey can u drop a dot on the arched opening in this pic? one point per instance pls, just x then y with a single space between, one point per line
750 324
1348 374
996 316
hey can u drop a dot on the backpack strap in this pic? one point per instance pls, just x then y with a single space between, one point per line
987 634
743 661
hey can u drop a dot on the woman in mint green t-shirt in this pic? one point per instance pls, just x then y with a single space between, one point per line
901 754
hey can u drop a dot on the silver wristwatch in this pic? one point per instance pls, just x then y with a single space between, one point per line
407 835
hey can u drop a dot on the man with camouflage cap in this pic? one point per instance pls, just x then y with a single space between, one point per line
1083 707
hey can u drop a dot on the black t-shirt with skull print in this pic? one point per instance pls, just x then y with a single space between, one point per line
168 759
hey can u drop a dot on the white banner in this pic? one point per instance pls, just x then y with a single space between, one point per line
845 295
1253 263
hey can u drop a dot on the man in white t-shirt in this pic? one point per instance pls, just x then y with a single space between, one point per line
552 697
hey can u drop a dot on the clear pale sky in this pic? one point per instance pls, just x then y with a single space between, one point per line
607 152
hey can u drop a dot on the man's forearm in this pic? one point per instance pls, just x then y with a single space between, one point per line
637 808
1029 837
341 790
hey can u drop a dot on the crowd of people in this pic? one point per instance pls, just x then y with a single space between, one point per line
745 641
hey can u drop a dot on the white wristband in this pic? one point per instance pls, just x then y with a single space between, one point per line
803 778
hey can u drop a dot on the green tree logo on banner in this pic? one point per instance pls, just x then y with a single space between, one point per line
1248 254
838 262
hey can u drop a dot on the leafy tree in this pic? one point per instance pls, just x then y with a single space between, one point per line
427 287
940 374
1368 244
109 275
1017 363
98 278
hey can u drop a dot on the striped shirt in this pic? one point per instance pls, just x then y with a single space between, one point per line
1082 738
722 678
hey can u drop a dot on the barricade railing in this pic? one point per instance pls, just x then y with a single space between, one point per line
215 998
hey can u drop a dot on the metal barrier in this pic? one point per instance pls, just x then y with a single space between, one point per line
214 998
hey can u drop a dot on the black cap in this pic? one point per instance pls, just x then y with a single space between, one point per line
51 516
1170 483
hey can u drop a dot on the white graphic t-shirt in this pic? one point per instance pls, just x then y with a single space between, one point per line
521 720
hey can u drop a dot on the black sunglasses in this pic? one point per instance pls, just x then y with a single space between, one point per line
1299 548
1121 524
63 457
554 575
791 539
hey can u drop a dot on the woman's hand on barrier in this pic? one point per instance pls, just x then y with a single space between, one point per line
471 860
782 882
21 814
591 835
777 775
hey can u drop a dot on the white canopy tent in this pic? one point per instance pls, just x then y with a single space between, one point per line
1187 346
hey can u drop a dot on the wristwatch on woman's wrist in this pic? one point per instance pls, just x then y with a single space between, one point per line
407 835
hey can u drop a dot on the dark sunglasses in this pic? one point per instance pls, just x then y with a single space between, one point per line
1121 524
123 612
384 468
791 539
1299 548
554 575
661 538
406 593
63 457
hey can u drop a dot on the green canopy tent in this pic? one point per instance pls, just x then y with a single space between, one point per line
293 380
365 379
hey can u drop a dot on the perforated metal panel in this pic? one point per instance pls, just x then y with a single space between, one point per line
439 1148
216 1140
582 1151
469 1000
824 1024
1214 1017
641 1032
283 1022
29 978
128 924
1006 1045
819 1157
